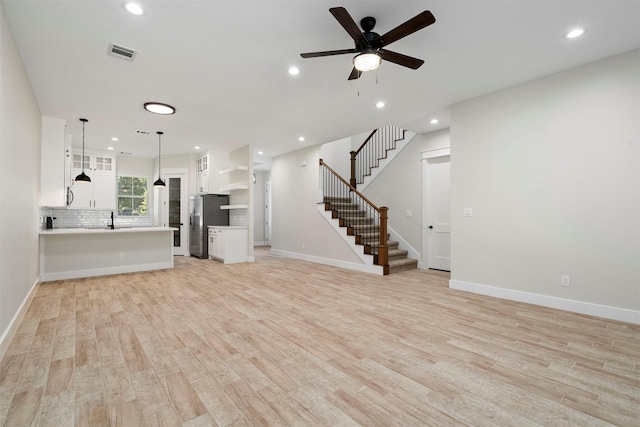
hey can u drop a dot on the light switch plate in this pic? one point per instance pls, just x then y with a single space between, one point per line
407 213
467 212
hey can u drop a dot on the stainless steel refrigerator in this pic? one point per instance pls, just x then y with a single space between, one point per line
204 210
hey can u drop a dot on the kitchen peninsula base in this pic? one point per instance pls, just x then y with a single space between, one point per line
76 253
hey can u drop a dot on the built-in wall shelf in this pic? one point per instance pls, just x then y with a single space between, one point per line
234 168
228 207
236 186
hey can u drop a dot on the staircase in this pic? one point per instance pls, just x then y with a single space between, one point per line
367 232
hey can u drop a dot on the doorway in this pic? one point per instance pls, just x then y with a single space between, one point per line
176 211
436 173
267 213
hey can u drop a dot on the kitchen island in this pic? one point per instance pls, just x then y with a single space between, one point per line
70 253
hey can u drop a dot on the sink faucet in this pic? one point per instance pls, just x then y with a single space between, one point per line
111 226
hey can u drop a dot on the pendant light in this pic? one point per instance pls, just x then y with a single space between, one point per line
83 177
159 182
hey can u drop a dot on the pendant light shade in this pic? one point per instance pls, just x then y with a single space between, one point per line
159 182
83 177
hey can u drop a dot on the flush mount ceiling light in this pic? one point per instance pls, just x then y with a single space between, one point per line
159 108
159 182
576 32
294 71
83 177
380 104
134 8
366 62
301 139
434 121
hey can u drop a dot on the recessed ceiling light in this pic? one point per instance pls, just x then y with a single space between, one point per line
576 32
260 152
110 148
433 121
134 9
114 139
301 138
380 104
294 71
197 147
159 108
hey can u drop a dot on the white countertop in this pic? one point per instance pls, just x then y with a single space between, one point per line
239 227
57 231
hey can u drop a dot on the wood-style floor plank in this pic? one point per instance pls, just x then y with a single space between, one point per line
291 343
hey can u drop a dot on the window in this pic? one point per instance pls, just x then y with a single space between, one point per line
132 196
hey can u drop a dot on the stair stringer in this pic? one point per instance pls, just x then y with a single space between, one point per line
382 163
367 260
402 244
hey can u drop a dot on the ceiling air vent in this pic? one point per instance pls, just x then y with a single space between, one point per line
121 52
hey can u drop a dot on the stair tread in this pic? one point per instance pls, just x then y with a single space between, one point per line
402 261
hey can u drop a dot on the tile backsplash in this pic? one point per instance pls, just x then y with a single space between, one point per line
93 218
239 217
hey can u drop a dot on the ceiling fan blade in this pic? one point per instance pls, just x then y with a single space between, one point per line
327 53
400 59
355 74
414 24
347 22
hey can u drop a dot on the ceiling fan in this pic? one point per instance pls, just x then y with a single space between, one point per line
370 46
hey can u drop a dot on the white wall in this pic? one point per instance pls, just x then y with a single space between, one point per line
135 166
337 155
551 169
298 228
259 206
20 126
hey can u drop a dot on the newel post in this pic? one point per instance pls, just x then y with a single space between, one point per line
383 249
352 180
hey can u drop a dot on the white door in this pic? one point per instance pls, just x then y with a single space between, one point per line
267 213
437 199
176 211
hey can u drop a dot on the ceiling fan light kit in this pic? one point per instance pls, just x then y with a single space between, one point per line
370 46
366 61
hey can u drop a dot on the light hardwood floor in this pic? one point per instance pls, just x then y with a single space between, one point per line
286 342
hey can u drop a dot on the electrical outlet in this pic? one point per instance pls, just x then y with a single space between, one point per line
408 213
565 280
121 255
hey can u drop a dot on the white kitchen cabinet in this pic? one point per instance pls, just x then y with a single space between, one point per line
228 244
202 174
54 162
100 193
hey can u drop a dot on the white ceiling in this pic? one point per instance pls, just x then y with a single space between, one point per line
223 65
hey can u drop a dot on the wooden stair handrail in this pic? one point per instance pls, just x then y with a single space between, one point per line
383 248
373 132
351 187
352 179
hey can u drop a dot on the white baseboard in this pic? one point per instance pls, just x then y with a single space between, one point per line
77 274
373 269
607 312
7 334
